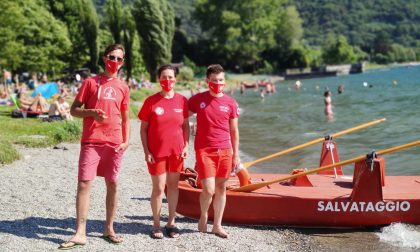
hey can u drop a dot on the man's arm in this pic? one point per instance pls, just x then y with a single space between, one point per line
76 110
126 130
234 137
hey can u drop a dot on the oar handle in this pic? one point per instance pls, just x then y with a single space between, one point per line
341 133
253 187
315 141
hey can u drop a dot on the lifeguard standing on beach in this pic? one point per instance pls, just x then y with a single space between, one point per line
216 145
103 103
164 134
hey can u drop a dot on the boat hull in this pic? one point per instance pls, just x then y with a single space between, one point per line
330 202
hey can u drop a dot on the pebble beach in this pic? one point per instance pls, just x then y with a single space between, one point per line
38 209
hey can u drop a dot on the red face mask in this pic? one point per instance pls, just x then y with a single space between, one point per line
216 88
112 66
167 85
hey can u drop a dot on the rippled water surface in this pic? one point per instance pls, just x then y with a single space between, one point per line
292 117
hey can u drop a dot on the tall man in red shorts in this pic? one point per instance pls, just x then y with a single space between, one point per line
216 145
103 103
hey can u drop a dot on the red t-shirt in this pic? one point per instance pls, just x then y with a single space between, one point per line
213 117
112 96
165 134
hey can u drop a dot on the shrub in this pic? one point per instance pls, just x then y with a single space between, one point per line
185 74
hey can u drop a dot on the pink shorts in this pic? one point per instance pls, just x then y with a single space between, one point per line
99 160
173 163
213 162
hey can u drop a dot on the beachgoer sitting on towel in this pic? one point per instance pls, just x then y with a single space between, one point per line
59 110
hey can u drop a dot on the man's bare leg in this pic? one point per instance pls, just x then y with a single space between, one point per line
111 207
219 203
82 209
205 201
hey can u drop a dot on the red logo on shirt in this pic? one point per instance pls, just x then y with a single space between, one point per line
159 111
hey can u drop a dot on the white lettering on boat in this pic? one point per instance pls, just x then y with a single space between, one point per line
380 206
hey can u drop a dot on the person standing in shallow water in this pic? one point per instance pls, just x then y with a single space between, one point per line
164 135
328 106
103 103
216 146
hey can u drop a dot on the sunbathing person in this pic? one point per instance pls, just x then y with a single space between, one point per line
38 104
59 110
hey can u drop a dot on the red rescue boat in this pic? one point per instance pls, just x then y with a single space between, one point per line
368 198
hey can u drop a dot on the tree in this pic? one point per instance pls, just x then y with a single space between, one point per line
114 18
129 34
241 31
337 51
31 38
90 23
155 25
68 11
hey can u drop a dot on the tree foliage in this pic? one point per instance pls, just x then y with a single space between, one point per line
68 11
32 39
336 50
90 23
155 25
241 31
114 18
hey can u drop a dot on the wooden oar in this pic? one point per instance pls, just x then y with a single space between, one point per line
315 141
253 187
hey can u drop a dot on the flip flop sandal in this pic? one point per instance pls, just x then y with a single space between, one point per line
112 239
72 246
172 232
156 234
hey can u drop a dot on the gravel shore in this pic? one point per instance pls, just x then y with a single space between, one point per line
38 209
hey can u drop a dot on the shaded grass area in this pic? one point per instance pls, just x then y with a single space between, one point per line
32 132
140 95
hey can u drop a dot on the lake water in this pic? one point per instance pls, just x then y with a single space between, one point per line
291 117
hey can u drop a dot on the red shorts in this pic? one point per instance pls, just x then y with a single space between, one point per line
172 163
213 162
99 160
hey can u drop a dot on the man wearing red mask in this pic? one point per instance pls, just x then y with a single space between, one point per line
164 134
216 145
103 103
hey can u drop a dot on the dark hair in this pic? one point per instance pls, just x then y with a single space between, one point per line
327 93
214 69
114 47
165 67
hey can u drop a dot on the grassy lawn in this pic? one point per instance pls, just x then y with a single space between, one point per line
32 132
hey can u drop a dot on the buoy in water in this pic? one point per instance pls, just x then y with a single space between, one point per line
365 84
394 82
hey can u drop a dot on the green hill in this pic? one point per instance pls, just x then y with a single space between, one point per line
361 20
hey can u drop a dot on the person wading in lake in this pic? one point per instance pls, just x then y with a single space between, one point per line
328 106
216 145
103 103
164 134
